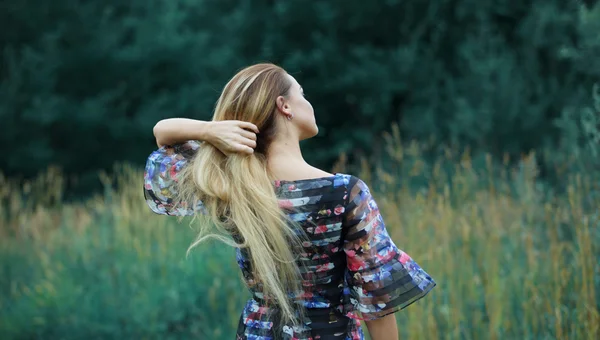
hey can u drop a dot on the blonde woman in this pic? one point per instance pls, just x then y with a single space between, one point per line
312 246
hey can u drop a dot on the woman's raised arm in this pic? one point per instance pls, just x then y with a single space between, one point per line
229 136
177 139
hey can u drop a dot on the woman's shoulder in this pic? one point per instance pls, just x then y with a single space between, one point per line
353 182
336 179
333 187
351 186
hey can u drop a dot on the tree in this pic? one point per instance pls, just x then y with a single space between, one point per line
82 83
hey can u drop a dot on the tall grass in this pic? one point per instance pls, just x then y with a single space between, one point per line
512 260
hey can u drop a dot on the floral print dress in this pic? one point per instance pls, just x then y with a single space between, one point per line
352 269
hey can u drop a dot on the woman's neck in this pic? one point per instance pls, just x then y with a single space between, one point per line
285 156
285 149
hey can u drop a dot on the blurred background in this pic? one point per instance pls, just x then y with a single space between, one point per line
476 123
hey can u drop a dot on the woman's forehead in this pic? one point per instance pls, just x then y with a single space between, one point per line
294 81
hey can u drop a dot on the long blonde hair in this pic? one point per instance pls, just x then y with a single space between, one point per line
238 192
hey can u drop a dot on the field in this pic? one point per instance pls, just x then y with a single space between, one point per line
512 260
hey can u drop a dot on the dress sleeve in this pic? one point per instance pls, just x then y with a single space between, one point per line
160 179
382 279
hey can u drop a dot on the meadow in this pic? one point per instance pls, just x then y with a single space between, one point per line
512 259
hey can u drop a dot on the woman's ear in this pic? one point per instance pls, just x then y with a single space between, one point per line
282 105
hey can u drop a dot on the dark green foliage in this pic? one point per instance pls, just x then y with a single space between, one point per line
130 286
82 83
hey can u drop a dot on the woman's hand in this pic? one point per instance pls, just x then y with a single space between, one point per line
232 136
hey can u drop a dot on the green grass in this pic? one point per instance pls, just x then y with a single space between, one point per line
511 261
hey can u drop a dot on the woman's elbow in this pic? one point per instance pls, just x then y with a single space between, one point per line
158 128
159 133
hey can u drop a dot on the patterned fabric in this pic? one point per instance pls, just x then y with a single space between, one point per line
351 268
160 177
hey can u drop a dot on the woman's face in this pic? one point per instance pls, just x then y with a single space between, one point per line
296 104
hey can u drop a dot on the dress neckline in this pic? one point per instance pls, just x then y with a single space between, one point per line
335 174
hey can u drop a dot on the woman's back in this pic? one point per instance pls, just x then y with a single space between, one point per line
350 267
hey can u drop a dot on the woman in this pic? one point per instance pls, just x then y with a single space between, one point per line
312 246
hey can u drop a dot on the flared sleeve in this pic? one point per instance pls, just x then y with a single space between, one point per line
381 279
160 179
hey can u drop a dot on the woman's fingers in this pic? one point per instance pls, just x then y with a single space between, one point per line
247 142
245 149
248 134
248 126
240 137
251 143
